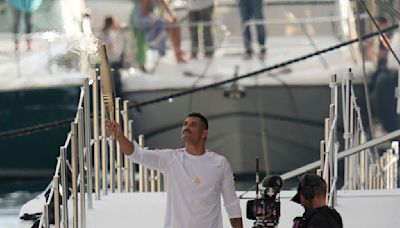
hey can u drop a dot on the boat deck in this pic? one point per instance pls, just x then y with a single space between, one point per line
366 209
358 209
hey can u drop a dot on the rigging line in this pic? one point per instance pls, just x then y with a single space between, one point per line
380 31
36 128
48 126
278 65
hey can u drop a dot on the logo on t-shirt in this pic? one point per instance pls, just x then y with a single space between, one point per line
197 180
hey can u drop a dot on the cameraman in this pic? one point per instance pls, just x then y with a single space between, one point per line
311 194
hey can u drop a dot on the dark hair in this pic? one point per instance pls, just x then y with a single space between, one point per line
108 22
201 117
311 185
381 20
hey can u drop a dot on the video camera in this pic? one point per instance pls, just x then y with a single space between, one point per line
266 210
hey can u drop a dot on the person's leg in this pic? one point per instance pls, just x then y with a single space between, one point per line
157 35
206 15
194 38
175 35
16 18
139 37
257 9
245 14
28 24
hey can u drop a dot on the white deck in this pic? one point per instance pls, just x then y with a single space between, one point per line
169 75
359 209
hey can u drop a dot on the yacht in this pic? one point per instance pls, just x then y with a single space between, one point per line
107 190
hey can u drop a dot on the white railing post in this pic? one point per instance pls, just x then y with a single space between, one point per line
81 153
322 155
141 168
111 156
363 164
64 185
46 216
132 166
158 181
74 148
56 202
104 147
346 122
334 100
112 159
395 148
118 151
126 133
152 181
88 147
96 134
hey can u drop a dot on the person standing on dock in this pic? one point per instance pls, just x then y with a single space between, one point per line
201 12
311 194
253 10
26 8
195 177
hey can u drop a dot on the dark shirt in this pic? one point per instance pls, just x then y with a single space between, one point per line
322 217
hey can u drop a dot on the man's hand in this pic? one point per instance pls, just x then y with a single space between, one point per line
116 132
236 222
114 129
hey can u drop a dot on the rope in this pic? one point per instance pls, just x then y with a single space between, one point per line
62 123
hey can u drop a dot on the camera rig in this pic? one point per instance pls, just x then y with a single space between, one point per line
265 207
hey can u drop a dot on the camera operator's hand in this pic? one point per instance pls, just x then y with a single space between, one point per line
297 222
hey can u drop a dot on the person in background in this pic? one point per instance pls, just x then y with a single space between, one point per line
382 55
311 194
201 12
252 9
195 178
26 8
155 27
111 36
383 49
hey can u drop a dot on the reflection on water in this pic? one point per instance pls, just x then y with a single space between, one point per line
13 194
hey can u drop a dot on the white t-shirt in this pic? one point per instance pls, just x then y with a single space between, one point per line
195 5
194 186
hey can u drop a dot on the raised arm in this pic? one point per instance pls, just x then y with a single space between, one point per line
152 159
116 132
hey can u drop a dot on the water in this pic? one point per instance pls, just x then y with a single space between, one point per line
13 194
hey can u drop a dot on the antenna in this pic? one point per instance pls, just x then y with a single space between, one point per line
257 177
107 83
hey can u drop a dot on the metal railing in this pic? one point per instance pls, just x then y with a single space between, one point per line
363 167
79 170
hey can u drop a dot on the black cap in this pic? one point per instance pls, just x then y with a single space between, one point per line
296 198
310 180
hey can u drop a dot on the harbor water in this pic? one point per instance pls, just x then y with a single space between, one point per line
13 194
